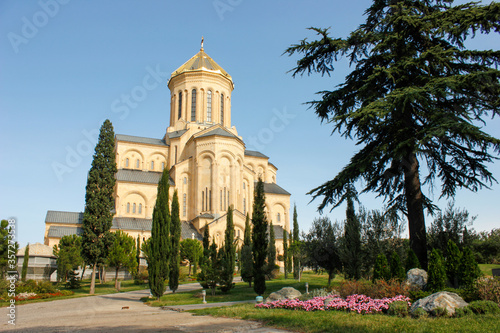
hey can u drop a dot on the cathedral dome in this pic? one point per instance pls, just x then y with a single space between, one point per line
201 62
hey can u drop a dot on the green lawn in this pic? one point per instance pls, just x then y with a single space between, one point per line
243 292
486 268
336 321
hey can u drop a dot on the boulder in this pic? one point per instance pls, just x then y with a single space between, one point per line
284 293
416 277
442 299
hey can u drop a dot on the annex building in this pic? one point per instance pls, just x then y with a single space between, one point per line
207 161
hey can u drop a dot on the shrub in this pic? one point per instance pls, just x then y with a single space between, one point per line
468 270
381 269
351 287
484 307
436 275
411 260
488 289
453 263
378 289
418 294
44 287
462 312
440 312
73 281
398 308
26 287
419 313
397 270
141 276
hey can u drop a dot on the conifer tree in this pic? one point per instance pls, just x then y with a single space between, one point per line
175 234
26 259
351 251
160 246
469 270
290 255
246 254
436 280
228 255
411 260
285 253
271 252
381 270
138 253
99 202
259 238
415 95
122 253
212 268
205 258
453 259
397 270
294 239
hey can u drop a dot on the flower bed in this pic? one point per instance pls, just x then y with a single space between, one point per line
357 303
30 296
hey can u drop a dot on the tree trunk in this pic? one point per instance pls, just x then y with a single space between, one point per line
189 274
414 204
83 272
116 278
92 280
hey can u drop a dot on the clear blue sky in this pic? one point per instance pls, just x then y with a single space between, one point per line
62 68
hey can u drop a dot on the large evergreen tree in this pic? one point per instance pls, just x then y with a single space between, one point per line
26 259
416 94
99 202
205 258
246 254
122 254
160 246
259 238
68 253
437 274
351 249
295 239
191 250
228 255
285 253
175 236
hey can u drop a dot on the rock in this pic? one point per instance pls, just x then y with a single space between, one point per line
284 293
442 299
416 277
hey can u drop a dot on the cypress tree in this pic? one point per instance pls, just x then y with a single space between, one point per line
469 270
228 256
285 253
294 239
271 252
26 259
411 260
397 270
175 233
453 260
381 270
436 275
160 248
246 254
290 256
351 252
205 258
213 269
138 253
259 238
99 202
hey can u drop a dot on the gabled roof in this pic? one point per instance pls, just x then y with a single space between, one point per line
201 61
139 176
63 217
189 231
130 223
255 153
273 189
219 131
59 232
139 139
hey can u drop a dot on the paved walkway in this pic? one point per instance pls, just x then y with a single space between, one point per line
122 312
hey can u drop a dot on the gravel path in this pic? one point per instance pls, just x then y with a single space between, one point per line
123 312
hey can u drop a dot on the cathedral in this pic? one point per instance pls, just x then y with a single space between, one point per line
207 162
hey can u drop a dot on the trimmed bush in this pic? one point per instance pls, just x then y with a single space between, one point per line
469 271
398 308
397 270
381 271
436 274
462 312
484 307
419 313
411 261
418 294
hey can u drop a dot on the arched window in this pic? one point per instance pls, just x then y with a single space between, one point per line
243 185
128 207
133 209
244 206
185 180
152 165
162 165
202 201
137 163
193 105
209 105
140 208
126 163
180 105
184 204
222 109
278 217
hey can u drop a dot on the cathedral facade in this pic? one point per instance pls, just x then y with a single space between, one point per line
207 162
